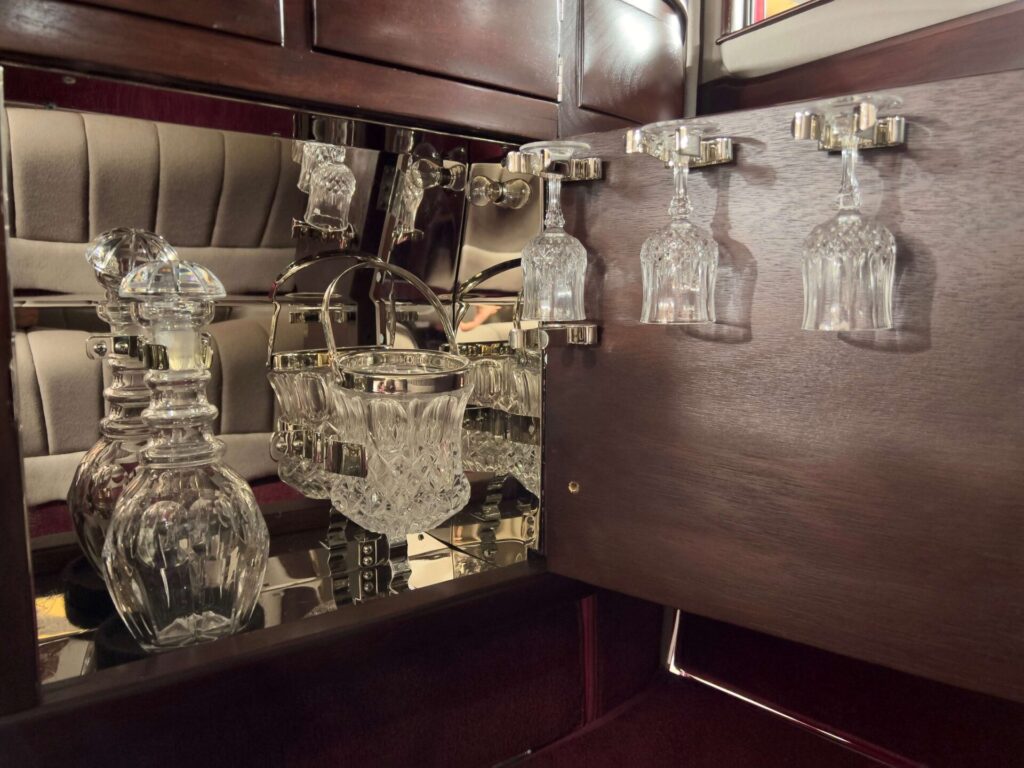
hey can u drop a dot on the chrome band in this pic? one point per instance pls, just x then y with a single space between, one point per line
303 360
352 374
554 335
483 349
341 458
103 345
154 356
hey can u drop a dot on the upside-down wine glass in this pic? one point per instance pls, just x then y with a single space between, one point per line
680 261
849 261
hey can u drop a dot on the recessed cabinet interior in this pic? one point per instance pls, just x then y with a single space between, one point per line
421 383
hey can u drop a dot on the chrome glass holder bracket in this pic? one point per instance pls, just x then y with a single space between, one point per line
545 164
830 123
680 145
555 335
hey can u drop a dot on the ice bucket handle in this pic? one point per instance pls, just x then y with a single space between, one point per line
363 262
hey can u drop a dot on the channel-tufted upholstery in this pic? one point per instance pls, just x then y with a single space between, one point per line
223 199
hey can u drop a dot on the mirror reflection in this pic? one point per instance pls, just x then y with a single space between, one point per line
245 206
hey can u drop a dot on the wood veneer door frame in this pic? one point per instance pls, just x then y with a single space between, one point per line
980 43
19 675
861 495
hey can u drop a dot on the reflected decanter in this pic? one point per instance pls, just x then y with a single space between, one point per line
187 547
111 463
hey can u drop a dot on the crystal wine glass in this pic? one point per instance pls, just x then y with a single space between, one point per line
849 261
554 262
679 262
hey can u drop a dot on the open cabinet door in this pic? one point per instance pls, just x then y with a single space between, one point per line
862 493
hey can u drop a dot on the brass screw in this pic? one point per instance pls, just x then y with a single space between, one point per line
574 487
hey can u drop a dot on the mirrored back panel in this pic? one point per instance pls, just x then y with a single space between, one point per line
246 191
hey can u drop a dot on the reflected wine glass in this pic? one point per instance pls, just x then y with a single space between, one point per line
554 262
311 155
331 187
849 261
680 261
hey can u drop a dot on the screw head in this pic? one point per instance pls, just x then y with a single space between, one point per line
574 487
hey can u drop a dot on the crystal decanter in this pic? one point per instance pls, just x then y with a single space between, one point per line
111 463
849 261
554 262
187 546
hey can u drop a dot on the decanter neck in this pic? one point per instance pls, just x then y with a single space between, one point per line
179 416
553 218
180 419
126 398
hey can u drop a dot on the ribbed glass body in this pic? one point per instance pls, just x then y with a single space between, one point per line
305 405
524 372
108 467
554 268
482 450
679 265
849 264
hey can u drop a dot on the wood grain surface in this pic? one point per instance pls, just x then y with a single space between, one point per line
93 40
19 681
485 41
260 19
862 493
631 60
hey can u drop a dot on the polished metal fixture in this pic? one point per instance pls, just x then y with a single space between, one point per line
679 262
849 262
512 193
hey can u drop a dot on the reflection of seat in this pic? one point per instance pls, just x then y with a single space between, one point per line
223 199
60 403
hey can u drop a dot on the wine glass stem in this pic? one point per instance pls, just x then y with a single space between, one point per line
849 188
680 207
553 218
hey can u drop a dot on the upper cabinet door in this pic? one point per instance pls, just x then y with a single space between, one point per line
260 19
512 46
632 59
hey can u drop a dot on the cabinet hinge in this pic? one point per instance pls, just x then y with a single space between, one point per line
558 80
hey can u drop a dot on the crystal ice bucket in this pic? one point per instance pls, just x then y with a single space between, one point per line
405 408
300 384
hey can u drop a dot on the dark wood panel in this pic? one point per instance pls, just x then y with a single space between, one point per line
859 494
260 19
899 712
93 40
632 62
18 673
984 42
573 119
513 46
472 679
